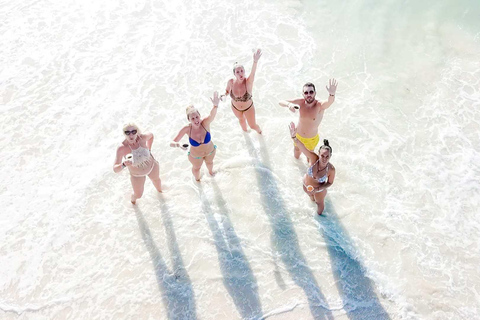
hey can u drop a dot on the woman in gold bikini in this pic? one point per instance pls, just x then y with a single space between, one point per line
240 90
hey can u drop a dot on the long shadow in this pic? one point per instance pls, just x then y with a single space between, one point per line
356 289
238 277
284 238
175 285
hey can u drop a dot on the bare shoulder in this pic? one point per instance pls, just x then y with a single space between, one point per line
123 149
331 166
319 105
146 136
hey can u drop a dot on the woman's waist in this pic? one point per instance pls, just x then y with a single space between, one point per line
307 180
141 164
241 103
202 149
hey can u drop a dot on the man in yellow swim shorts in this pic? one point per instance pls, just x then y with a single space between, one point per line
311 113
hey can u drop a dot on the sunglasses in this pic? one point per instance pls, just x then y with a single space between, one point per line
309 92
127 133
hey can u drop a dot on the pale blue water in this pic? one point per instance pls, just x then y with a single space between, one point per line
399 239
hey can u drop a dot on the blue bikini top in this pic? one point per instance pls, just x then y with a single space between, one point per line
206 140
321 179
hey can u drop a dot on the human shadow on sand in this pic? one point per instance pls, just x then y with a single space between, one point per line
355 288
237 275
175 285
284 239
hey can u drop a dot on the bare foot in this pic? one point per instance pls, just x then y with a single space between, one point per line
212 173
133 200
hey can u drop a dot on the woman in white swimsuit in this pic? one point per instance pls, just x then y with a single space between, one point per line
141 162
320 175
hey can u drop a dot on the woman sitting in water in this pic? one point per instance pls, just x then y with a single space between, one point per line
136 149
198 131
240 90
320 175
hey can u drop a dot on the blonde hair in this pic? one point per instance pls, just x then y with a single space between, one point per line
237 65
191 109
131 124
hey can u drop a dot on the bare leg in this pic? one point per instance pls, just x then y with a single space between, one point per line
138 184
320 201
250 115
209 162
155 176
196 165
240 118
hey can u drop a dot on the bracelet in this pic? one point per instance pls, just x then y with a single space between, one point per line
332 95
294 137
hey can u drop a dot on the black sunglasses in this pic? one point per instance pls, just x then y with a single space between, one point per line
309 92
127 133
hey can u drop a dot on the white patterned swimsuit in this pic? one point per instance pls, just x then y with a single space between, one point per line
320 180
142 158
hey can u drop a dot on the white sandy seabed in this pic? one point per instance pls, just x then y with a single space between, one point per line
399 239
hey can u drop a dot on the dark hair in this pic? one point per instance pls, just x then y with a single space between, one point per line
326 145
309 84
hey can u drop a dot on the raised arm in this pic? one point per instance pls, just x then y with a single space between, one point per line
148 136
256 56
181 133
312 156
331 88
215 100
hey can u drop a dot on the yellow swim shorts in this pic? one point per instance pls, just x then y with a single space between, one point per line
310 143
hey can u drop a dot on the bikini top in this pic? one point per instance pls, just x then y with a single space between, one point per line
321 179
206 140
247 96
141 157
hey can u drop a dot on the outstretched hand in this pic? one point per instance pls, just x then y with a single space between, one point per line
257 55
216 99
332 86
293 130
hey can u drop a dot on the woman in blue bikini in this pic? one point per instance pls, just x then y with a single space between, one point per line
201 145
320 175
134 153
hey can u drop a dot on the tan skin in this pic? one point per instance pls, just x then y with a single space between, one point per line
133 141
319 169
196 131
311 111
237 87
